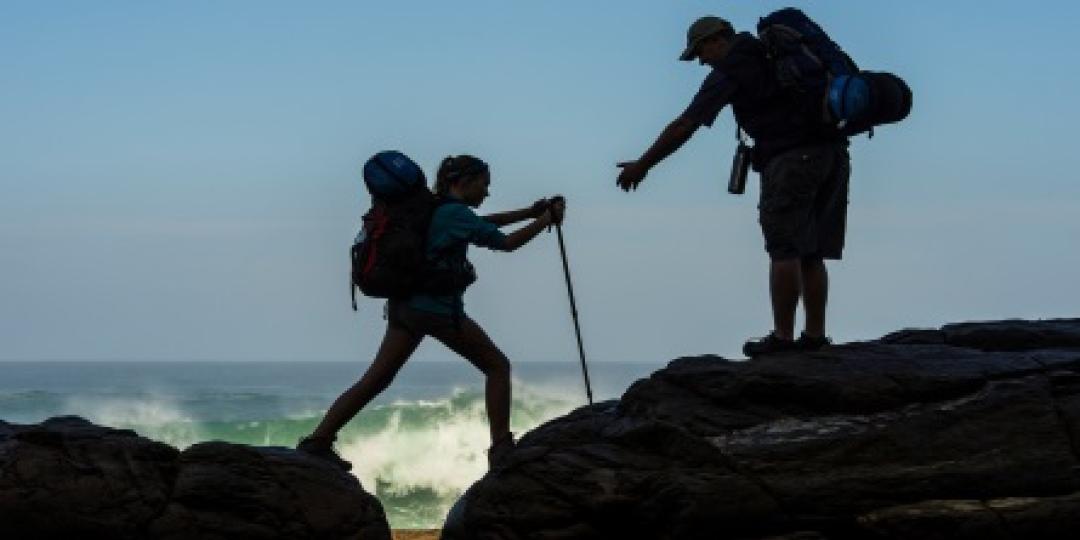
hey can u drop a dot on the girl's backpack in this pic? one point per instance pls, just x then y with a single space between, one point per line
388 257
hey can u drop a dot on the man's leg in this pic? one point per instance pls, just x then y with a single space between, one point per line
789 186
784 287
815 294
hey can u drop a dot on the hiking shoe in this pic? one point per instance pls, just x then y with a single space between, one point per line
811 343
769 344
500 449
322 448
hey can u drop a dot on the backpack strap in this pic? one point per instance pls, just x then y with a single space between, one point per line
441 201
458 313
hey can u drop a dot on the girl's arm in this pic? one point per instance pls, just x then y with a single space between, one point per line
553 214
513 216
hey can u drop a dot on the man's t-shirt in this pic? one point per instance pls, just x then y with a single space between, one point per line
777 120
453 227
715 94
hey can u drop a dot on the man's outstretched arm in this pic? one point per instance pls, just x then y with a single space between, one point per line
715 93
671 139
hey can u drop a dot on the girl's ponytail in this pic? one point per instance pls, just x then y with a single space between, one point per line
442 177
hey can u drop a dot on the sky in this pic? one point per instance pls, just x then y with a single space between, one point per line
181 180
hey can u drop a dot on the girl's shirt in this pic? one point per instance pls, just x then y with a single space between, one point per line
453 227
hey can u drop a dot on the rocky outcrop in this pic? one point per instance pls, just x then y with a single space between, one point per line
968 431
68 478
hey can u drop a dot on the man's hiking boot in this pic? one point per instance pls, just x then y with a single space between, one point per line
499 450
322 448
812 343
769 344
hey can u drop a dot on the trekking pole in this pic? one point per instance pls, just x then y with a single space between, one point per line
573 311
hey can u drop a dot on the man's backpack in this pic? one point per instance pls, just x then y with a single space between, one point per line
388 256
810 65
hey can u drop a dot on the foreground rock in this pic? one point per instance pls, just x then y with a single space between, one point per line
970 431
68 478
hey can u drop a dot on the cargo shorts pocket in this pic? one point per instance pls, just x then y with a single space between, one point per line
791 181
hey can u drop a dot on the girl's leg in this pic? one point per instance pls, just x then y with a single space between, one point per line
474 344
397 345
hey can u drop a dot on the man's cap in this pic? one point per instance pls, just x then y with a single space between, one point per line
703 28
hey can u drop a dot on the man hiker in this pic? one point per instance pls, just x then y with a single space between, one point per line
804 166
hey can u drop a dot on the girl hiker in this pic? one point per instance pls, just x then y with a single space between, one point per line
461 185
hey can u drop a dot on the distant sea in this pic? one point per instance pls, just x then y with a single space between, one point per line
417 447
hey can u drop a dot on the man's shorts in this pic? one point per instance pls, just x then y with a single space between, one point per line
804 199
399 314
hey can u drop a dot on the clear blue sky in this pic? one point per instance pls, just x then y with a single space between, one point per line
181 179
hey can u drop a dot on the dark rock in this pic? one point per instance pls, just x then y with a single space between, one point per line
1010 335
969 431
68 478
1014 335
1028 517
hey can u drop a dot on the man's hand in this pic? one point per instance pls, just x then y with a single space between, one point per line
633 172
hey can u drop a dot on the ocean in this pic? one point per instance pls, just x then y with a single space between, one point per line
417 447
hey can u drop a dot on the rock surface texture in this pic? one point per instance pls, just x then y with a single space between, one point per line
968 431
68 478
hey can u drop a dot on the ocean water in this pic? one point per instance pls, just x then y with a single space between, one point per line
417 447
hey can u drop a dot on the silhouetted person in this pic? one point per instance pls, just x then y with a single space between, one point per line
804 170
463 182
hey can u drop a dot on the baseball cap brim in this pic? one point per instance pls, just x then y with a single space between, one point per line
690 53
702 29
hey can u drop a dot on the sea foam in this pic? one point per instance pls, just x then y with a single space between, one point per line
418 456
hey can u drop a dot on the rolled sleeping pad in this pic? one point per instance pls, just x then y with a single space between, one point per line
858 102
891 98
849 97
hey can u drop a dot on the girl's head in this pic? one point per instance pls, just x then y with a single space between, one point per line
464 177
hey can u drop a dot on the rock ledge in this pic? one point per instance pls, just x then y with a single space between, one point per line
968 431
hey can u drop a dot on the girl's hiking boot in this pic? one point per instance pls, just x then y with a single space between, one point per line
322 448
811 343
769 344
499 450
